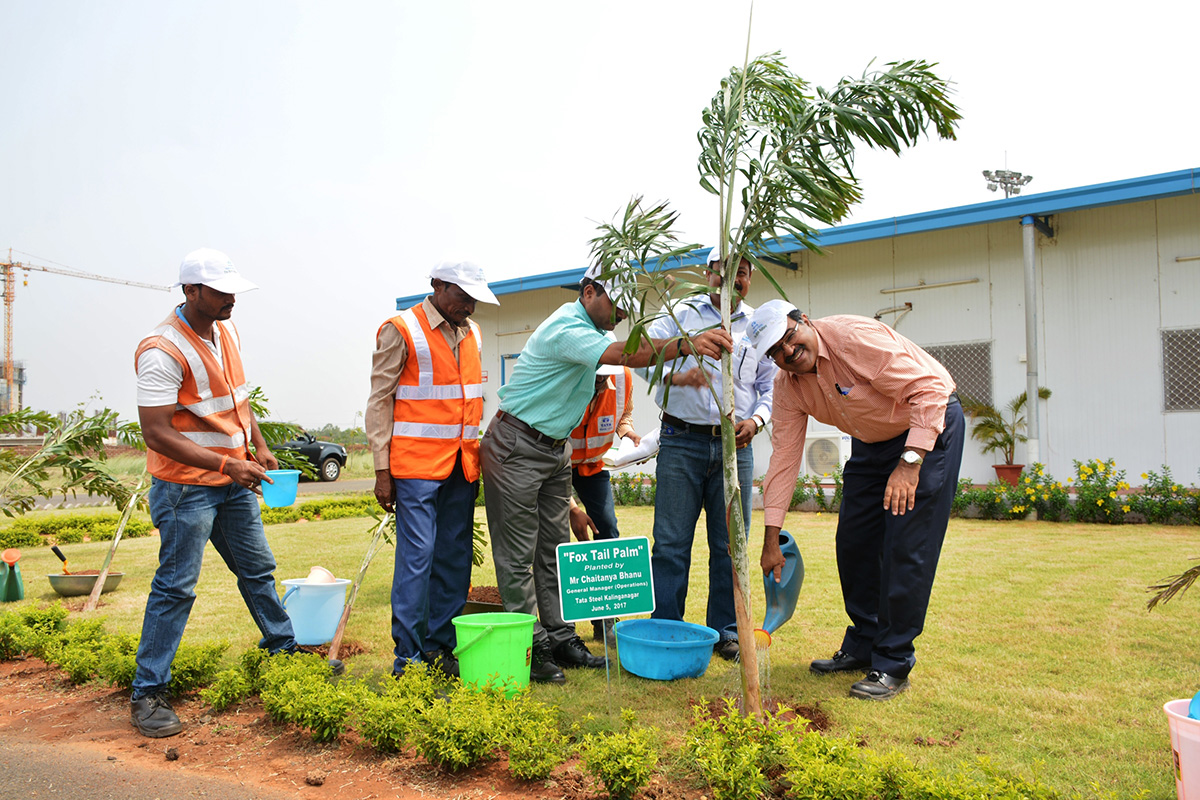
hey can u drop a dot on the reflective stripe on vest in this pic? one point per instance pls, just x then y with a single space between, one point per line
439 402
588 444
212 409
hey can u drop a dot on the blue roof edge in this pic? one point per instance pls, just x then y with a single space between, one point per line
1131 190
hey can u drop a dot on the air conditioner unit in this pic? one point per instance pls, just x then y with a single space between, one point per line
825 451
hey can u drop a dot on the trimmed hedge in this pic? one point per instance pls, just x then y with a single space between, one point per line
70 529
333 508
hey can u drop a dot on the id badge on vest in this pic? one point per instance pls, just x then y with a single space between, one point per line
605 424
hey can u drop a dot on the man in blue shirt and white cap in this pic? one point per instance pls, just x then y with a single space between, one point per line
689 476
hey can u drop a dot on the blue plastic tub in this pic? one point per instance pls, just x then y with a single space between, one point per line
663 649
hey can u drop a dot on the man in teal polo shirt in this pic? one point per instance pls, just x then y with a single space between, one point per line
526 465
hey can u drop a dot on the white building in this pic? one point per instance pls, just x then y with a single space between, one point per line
1117 301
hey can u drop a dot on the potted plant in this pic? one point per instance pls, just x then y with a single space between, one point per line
1001 430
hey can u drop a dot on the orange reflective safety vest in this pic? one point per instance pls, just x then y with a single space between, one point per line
439 402
213 409
595 434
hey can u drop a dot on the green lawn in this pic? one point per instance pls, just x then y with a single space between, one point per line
1039 653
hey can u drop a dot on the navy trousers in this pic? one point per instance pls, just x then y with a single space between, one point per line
434 540
887 562
595 492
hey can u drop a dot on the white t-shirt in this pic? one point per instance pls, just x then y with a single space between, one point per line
159 377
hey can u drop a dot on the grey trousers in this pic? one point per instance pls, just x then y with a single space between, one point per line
527 490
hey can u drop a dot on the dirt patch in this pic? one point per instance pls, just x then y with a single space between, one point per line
243 745
782 709
484 594
349 648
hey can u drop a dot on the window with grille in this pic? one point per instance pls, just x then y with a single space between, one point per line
970 365
1181 369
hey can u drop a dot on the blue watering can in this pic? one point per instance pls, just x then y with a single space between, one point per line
781 596
11 586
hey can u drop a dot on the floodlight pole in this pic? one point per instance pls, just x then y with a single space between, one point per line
1005 179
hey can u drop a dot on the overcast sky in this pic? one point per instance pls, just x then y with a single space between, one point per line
336 150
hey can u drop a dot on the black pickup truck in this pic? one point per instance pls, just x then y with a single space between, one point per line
327 457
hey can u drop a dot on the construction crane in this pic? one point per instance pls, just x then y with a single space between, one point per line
10 268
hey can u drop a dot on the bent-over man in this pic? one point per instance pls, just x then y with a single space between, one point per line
899 405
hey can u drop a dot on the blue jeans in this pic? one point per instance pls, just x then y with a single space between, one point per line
434 526
595 492
689 477
187 517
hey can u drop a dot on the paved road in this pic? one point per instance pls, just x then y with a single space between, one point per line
306 488
36 770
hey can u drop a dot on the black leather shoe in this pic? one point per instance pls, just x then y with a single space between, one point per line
728 649
542 666
442 660
841 662
153 716
574 653
878 686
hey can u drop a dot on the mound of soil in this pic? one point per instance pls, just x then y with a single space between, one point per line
484 594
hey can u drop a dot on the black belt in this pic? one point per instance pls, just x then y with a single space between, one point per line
537 435
691 427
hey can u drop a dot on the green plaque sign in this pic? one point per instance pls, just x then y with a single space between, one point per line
607 578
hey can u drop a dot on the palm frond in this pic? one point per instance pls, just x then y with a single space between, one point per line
1172 586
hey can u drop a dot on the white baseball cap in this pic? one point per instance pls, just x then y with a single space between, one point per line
617 290
767 326
214 269
714 257
466 275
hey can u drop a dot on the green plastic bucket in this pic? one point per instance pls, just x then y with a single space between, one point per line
494 650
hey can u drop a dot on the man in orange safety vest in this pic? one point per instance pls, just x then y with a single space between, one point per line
608 416
422 423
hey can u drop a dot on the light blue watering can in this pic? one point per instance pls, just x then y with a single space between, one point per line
781 596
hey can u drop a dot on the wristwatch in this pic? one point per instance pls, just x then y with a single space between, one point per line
912 457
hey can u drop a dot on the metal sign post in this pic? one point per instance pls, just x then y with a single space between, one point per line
604 579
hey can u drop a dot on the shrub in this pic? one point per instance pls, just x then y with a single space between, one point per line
1164 501
622 761
76 649
1097 492
295 688
195 665
45 619
36 531
16 537
462 730
229 687
332 508
633 489
15 636
389 721
734 753
117 663
533 739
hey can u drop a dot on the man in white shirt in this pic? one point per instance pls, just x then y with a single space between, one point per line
194 408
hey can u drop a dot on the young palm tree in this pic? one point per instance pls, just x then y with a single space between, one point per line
779 156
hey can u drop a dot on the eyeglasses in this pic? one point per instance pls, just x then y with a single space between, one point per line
787 338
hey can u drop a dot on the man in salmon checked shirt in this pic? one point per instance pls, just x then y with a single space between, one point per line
899 405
